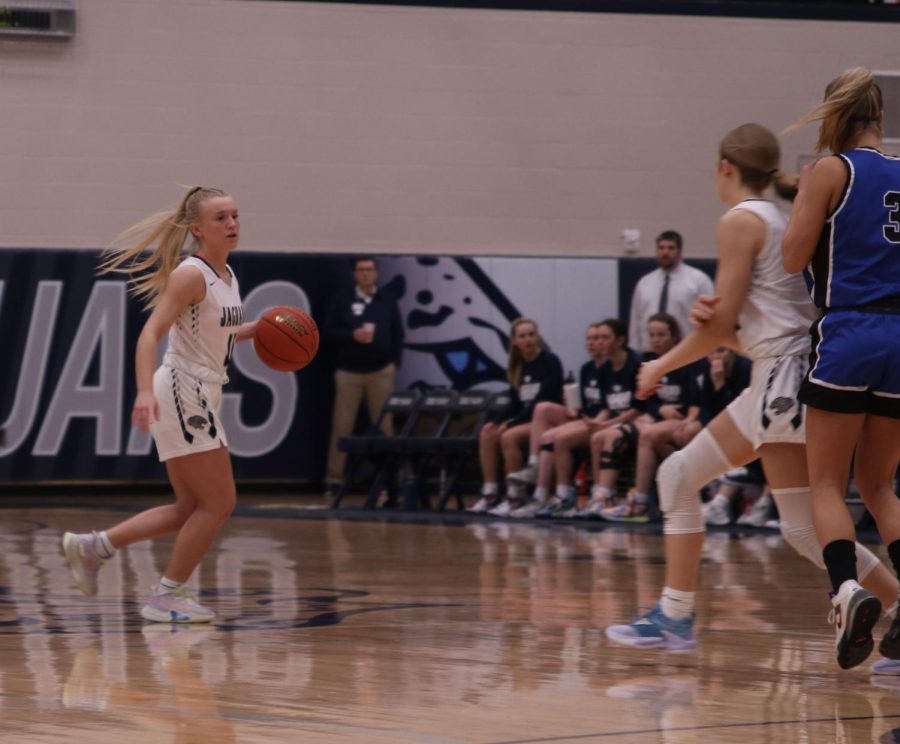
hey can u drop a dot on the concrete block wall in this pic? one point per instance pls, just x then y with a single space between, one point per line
400 130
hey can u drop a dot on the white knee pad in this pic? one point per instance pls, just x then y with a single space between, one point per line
796 520
680 478
805 542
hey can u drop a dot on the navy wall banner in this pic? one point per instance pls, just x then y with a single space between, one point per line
68 338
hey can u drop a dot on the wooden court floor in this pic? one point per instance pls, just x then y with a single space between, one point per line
332 630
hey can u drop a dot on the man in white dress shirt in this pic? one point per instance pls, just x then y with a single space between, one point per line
671 288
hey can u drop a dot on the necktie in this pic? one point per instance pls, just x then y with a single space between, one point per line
664 295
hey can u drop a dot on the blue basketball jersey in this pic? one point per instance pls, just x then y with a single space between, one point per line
857 260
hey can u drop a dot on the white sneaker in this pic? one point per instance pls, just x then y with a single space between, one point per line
504 508
178 606
717 513
758 514
484 504
84 560
566 508
527 476
593 510
528 510
854 614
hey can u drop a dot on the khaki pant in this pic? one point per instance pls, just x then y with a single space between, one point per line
349 390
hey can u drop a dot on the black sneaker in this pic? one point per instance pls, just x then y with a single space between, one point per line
890 642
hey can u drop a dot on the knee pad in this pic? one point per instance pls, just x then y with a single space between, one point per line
805 542
803 539
866 562
548 447
795 511
629 437
610 460
683 473
796 522
622 445
684 517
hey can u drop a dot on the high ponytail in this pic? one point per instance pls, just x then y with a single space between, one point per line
149 251
853 103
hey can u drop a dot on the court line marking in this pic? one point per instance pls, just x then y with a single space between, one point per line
709 727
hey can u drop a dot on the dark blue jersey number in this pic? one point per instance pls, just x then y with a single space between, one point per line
892 229
230 349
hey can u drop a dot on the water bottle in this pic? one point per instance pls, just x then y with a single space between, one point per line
572 395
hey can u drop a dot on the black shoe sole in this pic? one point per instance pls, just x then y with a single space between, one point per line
890 643
856 645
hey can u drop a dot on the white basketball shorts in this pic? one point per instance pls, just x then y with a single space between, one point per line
188 414
768 412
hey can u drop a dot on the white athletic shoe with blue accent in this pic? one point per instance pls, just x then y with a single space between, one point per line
178 606
656 631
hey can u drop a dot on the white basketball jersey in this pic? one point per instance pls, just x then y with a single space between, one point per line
202 337
777 313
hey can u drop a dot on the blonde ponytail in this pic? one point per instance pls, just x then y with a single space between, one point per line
149 251
853 103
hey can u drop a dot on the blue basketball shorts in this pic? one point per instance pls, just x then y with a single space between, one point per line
854 364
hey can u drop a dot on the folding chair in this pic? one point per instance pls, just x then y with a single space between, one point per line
403 406
474 406
419 449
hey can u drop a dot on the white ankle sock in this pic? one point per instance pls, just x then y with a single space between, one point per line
532 461
489 489
167 586
565 491
676 604
103 546
541 493
599 493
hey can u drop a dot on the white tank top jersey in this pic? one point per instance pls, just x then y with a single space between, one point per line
777 313
202 337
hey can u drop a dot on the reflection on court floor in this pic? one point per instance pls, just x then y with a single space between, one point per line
350 631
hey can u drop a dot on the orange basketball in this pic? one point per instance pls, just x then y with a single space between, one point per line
286 338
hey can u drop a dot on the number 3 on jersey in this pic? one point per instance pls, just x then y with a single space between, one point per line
892 229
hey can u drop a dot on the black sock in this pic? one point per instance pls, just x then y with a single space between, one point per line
894 553
840 560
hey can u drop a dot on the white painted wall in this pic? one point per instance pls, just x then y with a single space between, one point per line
411 130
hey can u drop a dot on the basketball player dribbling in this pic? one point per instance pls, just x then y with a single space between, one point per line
195 300
771 311
845 232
